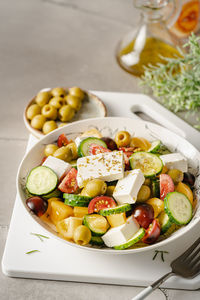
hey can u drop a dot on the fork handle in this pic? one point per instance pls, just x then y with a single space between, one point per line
152 287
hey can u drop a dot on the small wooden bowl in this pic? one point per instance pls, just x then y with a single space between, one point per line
93 107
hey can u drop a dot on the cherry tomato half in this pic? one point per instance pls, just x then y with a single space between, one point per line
100 202
69 183
110 143
128 151
152 232
189 179
96 149
62 140
166 185
144 214
37 205
43 160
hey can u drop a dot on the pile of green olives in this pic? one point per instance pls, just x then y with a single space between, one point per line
58 104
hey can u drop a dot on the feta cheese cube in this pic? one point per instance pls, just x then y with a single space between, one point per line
59 166
175 161
106 166
128 187
121 234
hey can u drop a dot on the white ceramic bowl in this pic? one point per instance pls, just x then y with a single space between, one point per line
108 127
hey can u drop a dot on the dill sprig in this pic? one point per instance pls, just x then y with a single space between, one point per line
177 81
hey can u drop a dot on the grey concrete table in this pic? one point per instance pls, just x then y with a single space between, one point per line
52 43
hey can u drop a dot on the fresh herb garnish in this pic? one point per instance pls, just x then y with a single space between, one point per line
32 251
40 236
177 82
161 253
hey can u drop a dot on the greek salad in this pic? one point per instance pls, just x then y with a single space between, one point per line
117 193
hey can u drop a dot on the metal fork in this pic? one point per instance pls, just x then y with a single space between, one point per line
187 265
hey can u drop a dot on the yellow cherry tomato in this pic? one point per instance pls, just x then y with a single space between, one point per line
157 204
164 170
139 142
59 211
186 190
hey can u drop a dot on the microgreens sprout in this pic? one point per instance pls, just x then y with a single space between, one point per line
32 251
177 82
40 236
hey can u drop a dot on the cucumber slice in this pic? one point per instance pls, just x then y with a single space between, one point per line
150 164
178 207
96 240
163 150
83 149
41 181
171 230
76 200
164 221
96 223
136 238
155 146
156 188
55 194
115 210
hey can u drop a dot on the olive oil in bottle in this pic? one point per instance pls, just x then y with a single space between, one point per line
149 43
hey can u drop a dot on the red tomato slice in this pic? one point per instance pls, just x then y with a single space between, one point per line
43 160
166 185
128 151
69 183
152 233
100 202
62 140
96 149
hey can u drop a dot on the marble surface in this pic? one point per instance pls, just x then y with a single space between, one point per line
49 43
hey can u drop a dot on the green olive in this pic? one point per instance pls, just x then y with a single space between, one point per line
63 153
73 162
122 138
62 124
74 102
144 193
95 187
49 111
50 149
38 121
58 91
73 149
147 181
66 113
110 190
42 98
83 193
57 102
77 92
176 175
82 235
49 126
32 111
